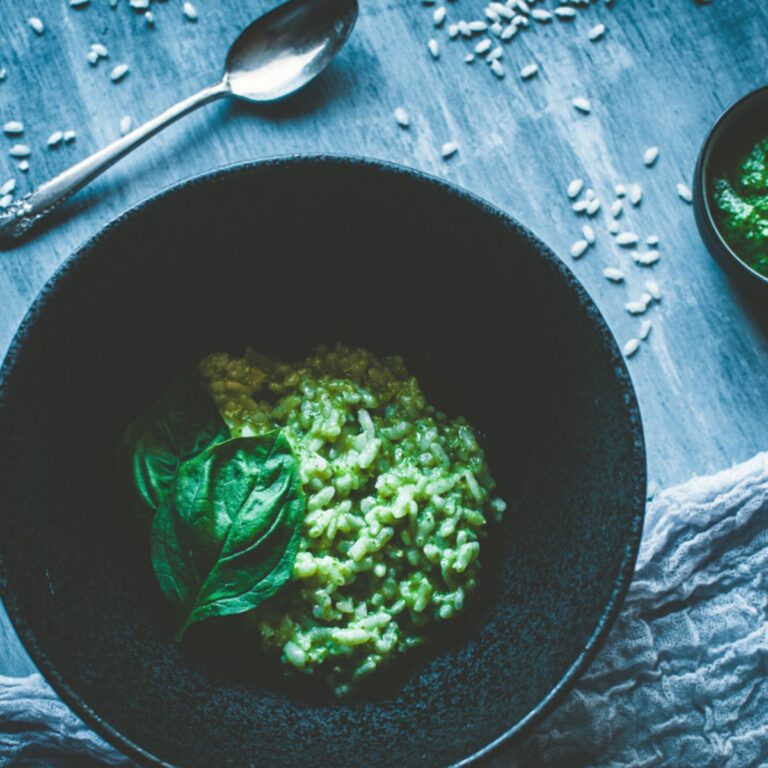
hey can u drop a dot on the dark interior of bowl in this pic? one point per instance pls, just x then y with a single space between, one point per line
284 256
736 134
731 140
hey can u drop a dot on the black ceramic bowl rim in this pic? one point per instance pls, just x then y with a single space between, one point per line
704 215
625 572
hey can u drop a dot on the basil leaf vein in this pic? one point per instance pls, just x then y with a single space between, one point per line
226 535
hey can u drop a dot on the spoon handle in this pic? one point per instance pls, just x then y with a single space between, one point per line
28 210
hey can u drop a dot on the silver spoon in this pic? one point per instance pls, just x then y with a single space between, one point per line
276 55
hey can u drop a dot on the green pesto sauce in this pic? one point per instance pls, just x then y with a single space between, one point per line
741 200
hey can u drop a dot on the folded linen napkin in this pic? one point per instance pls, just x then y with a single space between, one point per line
682 680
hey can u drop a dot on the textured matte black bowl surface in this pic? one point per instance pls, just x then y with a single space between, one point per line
732 136
285 255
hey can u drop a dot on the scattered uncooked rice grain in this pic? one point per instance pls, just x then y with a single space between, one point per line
653 289
684 191
13 128
646 259
100 50
579 248
614 228
469 58
589 234
652 240
529 71
5 201
434 48
582 105
483 46
617 206
636 307
627 239
119 72
36 24
69 136
126 123
8 187
438 17
574 188
55 139
401 118
502 11
631 347
593 207
635 194
3 74
449 149
650 156
645 329
189 11
23 166
539 14
565 13
497 68
596 32
19 150
620 190
613 274
78 3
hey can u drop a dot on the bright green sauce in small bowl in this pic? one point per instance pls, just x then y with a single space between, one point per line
741 207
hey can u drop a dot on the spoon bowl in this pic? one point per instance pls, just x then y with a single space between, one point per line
287 47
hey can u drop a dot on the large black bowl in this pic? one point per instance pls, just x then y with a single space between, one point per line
285 255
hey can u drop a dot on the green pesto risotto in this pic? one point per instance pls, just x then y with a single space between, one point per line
361 519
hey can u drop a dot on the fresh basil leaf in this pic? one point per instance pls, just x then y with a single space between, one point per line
182 423
226 535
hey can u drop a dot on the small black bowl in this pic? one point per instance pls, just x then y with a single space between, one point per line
284 255
732 136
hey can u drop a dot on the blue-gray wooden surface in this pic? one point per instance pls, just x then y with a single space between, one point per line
661 75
